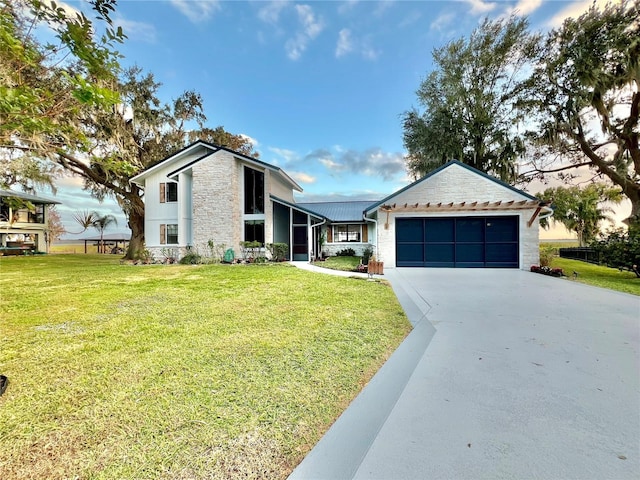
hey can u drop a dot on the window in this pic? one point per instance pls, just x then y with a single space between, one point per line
347 233
168 192
172 234
37 215
4 212
253 191
169 234
254 231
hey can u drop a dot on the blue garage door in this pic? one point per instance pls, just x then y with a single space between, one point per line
462 242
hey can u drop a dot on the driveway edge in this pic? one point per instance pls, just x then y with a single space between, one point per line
341 450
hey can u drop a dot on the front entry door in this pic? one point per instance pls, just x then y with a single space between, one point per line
300 243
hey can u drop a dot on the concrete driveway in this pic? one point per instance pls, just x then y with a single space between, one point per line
507 374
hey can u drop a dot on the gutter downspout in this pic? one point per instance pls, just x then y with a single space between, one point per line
375 222
547 214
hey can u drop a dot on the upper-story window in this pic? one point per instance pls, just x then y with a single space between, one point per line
253 191
168 192
22 215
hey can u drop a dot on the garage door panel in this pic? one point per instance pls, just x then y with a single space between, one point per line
470 229
410 255
468 253
502 254
502 229
439 255
464 242
410 230
439 230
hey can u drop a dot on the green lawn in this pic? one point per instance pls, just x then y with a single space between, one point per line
120 371
347 264
599 276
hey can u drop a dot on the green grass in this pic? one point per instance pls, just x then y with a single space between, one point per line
120 371
347 264
599 276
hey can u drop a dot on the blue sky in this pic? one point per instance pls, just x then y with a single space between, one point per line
319 87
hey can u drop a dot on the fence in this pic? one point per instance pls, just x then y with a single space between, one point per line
584 254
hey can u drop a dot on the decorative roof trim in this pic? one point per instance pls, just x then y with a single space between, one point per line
438 170
462 206
214 148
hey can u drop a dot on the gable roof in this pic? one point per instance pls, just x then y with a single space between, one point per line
27 196
441 168
349 211
138 179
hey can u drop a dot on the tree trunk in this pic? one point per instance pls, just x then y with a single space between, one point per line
634 219
133 207
136 244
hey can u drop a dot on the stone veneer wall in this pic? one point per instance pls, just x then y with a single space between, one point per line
216 203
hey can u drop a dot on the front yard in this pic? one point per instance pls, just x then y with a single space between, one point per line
179 371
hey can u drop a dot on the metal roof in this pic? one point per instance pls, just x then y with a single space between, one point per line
26 196
339 211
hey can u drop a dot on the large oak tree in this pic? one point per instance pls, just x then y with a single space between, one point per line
135 135
584 99
45 84
67 107
468 102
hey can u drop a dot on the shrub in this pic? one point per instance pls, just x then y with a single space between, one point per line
346 252
367 254
619 248
547 253
278 251
216 251
191 258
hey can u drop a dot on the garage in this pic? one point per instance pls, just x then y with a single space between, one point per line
458 242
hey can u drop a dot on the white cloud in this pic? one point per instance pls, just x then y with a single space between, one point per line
289 156
347 44
442 21
311 26
331 165
254 143
270 13
347 6
479 7
574 10
373 162
382 7
197 10
144 32
344 43
523 7
302 177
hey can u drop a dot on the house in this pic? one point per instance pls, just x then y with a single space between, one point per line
23 222
454 217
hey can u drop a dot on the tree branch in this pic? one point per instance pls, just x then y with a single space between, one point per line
560 169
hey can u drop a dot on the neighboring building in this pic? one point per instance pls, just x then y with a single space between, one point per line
454 217
23 228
